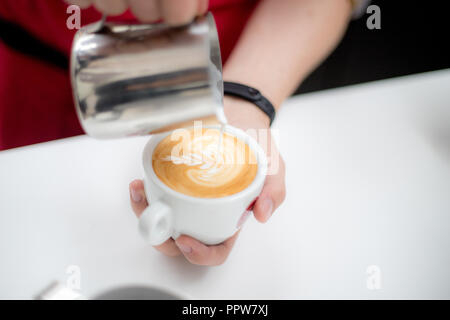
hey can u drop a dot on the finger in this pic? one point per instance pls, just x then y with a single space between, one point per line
145 10
137 197
169 248
139 203
111 7
272 195
202 7
83 4
175 12
201 254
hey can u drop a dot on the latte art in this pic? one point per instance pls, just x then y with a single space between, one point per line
204 163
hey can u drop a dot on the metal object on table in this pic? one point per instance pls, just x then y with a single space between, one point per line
58 291
138 79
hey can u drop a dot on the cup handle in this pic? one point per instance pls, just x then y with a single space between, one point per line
156 223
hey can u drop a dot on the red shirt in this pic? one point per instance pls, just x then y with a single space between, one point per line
36 102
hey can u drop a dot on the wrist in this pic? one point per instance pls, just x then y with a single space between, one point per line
250 94
244 114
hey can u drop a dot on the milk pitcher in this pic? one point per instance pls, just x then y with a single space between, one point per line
141 79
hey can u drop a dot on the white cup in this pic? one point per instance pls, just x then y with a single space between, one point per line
209 220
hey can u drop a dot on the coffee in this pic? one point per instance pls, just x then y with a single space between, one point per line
204 163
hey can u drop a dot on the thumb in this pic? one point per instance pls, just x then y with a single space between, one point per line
137 197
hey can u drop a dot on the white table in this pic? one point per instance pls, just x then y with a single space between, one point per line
368 180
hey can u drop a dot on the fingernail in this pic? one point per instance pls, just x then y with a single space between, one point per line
135 195
184 248
267 207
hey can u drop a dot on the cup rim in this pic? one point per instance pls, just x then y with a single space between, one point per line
240 134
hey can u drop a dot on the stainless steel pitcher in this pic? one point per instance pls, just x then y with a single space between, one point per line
139 79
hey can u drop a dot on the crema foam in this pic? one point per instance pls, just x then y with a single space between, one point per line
204 163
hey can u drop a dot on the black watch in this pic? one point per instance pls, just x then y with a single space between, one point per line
250 94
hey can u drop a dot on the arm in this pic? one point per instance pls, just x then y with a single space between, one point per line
284 41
